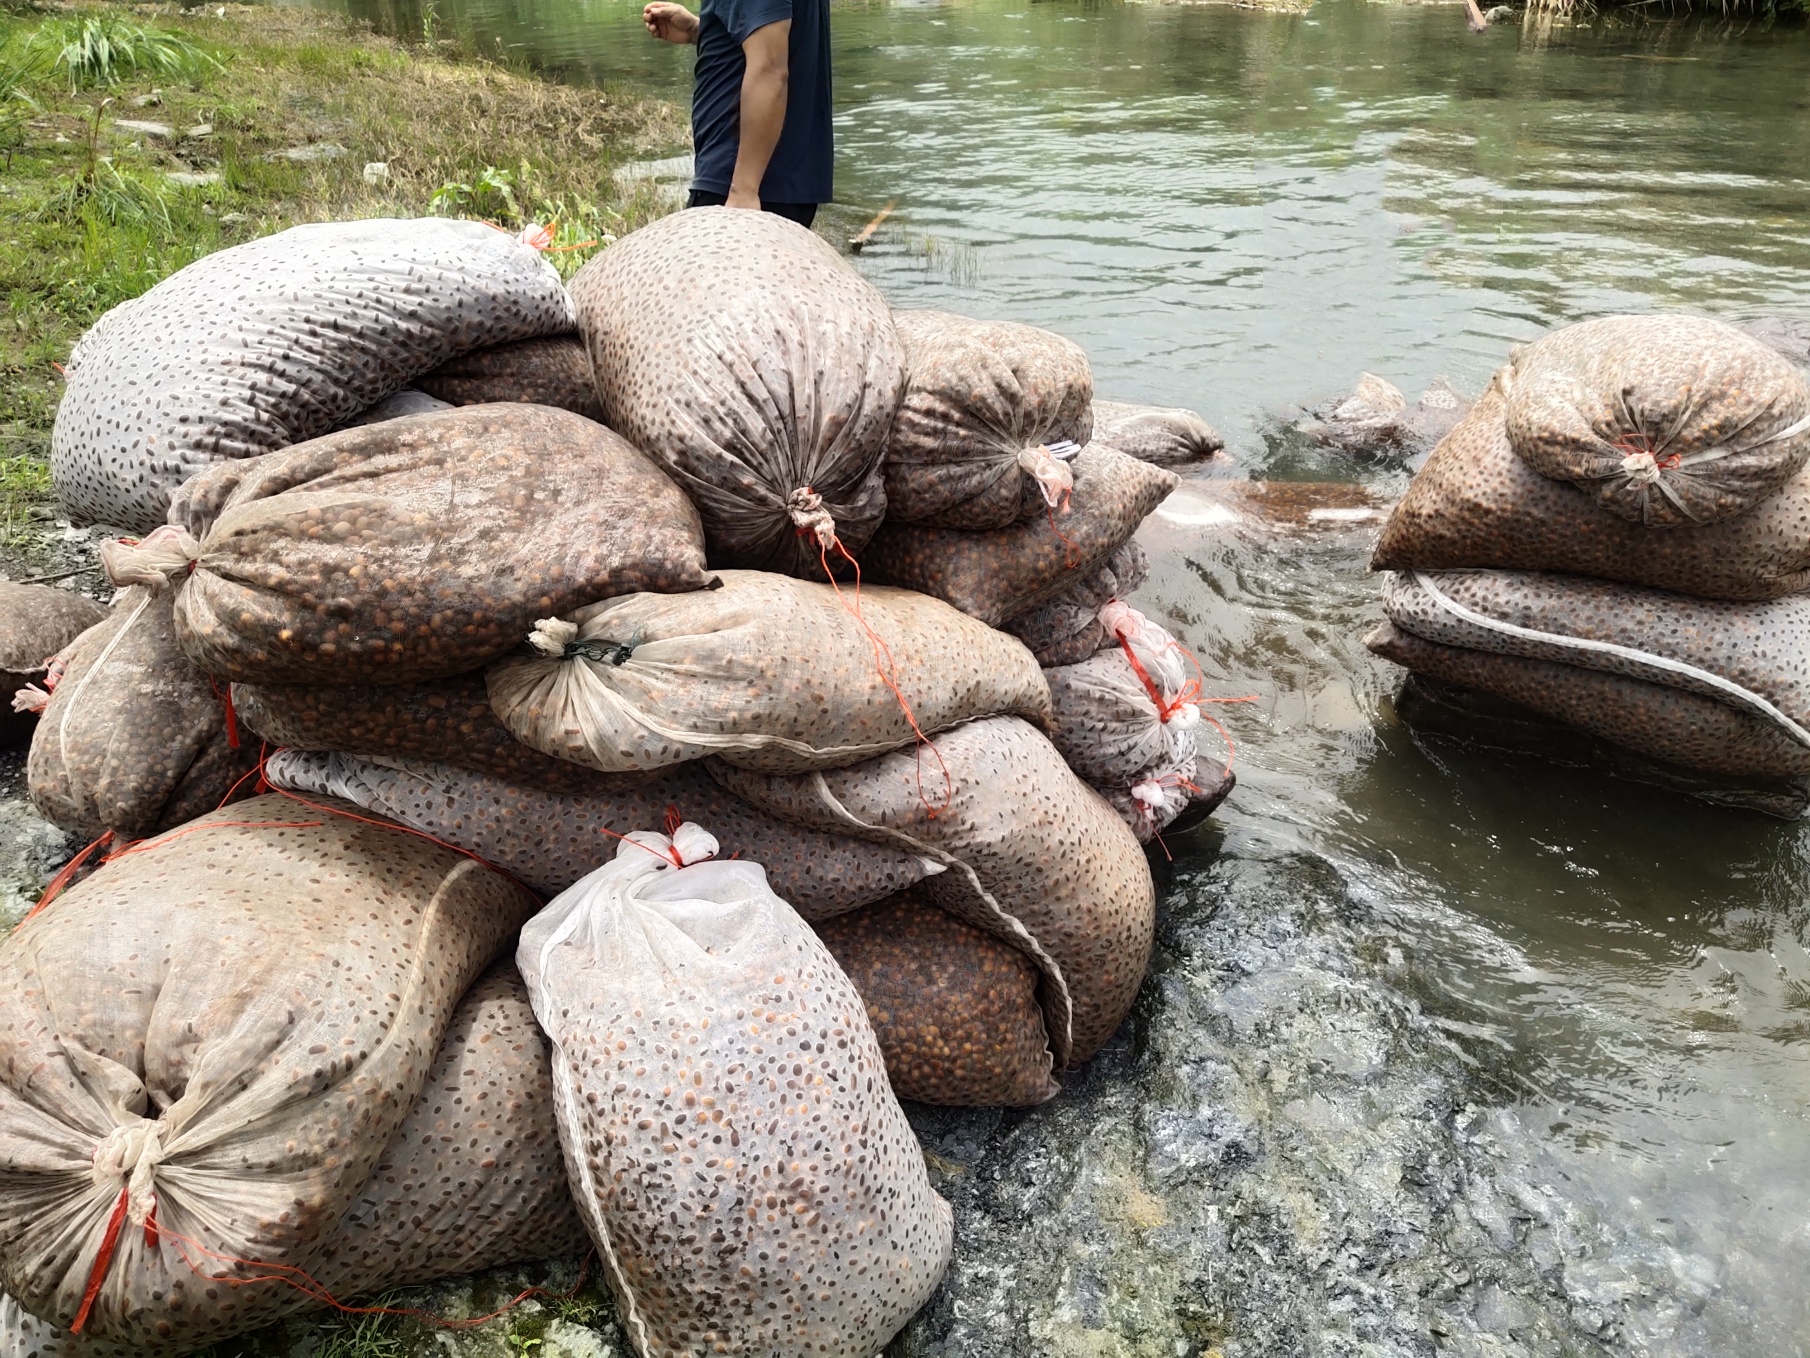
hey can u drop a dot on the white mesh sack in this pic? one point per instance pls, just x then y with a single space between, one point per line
733 1143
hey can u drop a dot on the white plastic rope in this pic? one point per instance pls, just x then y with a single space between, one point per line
1741 697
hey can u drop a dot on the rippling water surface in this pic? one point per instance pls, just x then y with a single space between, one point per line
1240 212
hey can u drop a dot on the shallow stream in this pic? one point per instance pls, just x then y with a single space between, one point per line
1443 1050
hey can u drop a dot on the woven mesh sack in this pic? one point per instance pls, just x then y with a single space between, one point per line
1160 434
982 398
549 839
1667 421
997 576
1068 628
767 672
277 341
1128 709
550 371
743 353
1672 725
1752 656
739 1158
954 1008
134 739
36 623
208 1046
439 721
1476 505
473 1179
421 548
1035 857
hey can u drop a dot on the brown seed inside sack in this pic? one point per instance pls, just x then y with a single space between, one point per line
134 739
955 1008
1763 647
550 838
996 576
1668 421
1036 857
555 371
762 367
767 672
1656 720
1068 629
440 721
473 1179
252 1005
422 547
1475 504
1159 434
36 622
977 394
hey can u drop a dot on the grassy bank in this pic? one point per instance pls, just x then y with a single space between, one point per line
259 118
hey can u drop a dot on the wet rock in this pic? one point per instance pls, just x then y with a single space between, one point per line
1790 335
1269 506
1375 420
1499 14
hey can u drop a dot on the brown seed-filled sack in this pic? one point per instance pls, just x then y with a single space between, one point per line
551 371
998 575
1656 720
221 1032
1475 504
440 721
473 1179
1155 433
135 739
1068 629
1106 724
549 839
1668 421
955 1008
421 547
745 1170
1035 857
36 622
767 672
762 372
1155 797
981 399
1753 656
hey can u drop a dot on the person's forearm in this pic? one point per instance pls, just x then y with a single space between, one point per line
764 91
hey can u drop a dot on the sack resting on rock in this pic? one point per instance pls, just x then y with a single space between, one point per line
1672 725
134 739
766 672
222 1031
550 838
1155 433
276 341
733 1145
473 1179
955 1008
1476 504
998 575
1668 421
981 400
1068 628
421 548
1752 656
744 355
439 721
1035 858
550 371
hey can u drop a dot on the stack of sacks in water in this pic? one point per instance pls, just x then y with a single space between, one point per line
1615 538
463 639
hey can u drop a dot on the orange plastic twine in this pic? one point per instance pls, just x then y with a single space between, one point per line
66 874
808 512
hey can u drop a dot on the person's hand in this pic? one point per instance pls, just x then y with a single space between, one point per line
670 23
747 198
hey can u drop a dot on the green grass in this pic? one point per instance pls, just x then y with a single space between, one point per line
90 216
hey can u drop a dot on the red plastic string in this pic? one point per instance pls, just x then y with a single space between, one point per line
225 695
98 1274
67 873
1071 552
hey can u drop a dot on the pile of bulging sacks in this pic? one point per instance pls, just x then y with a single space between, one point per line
1614 539
777 639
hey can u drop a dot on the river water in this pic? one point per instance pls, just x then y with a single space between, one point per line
1607 987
